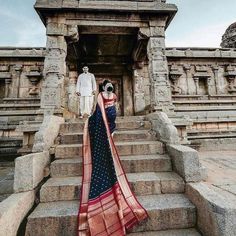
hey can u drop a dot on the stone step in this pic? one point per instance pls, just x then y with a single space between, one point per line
203 102
125 124
212 136
129 135
173 232
145 183
166 211
19 113
21 100
10 107
204 108
131 164
123 148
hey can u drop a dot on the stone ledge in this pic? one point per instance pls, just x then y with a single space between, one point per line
185 162
13 210
213 210
166 132
29 171
201 52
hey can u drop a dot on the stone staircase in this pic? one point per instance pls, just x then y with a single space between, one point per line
148 168
12 112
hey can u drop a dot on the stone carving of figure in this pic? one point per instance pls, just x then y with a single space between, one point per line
86 88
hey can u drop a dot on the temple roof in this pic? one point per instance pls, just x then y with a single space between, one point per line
229 37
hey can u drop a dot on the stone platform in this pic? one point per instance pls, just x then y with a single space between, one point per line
221 166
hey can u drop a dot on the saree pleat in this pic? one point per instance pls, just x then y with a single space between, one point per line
107 204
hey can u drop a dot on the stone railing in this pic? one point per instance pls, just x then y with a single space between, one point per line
185 160
30 171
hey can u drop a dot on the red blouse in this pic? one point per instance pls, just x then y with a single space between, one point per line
110 101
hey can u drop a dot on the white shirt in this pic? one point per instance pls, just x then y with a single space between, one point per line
86 84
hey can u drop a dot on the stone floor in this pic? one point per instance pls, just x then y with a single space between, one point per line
6 179
221 166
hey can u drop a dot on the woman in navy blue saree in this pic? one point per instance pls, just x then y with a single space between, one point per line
107 204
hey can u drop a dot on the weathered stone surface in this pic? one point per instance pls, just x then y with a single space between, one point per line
169 211
123 148
216 213
53 219
228 39
121 124
47 133
29 170
174 232
165 130
131 164
118 136
185 162
144 183
13 210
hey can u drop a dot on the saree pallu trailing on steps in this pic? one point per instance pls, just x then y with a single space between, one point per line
107 204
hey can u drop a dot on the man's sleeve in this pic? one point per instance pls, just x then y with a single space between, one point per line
94 84
78 85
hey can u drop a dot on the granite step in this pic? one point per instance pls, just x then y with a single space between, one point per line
144 183
121 135
204 108
166 211
173 232
122 124
131 164
19 113
15 106
123 148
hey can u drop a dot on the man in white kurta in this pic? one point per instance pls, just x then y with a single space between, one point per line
86 88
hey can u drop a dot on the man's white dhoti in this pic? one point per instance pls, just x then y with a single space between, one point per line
86 85
86 104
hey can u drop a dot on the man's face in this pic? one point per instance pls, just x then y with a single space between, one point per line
85 69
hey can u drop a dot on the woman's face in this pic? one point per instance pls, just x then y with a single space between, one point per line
108 87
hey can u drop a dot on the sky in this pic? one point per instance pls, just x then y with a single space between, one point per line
198 23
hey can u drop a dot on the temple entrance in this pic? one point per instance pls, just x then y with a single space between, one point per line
107 52
117 85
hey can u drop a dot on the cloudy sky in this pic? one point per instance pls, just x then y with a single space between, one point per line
198 23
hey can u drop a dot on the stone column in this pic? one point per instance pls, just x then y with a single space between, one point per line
187 69
127 95
54 68
16 73
73 98
7 87
139 99
158 70
53 97
196 81
216 76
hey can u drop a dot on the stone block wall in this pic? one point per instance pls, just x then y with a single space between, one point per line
200 71
21 72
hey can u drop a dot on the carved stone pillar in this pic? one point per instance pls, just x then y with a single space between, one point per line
127 95
16 73
53 90
187 69
158 71
196 81
7 87
139 99
73 98
216 76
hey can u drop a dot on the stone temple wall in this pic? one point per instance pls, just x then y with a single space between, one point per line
199 71
21 72
202 80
